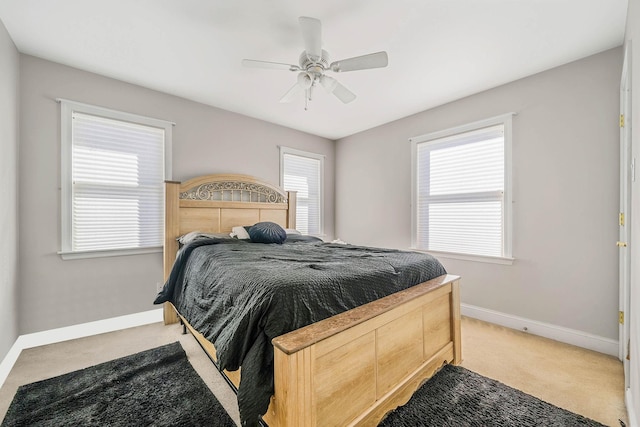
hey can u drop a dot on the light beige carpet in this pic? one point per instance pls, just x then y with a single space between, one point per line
579 380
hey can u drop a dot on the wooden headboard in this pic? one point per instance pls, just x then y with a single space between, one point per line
215 203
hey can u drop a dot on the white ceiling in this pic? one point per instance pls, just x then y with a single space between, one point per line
439 50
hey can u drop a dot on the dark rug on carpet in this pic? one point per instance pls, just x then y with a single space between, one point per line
156 387
458 397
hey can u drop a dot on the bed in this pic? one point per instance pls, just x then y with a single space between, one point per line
373 356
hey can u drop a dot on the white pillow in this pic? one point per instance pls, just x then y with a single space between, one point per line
240 233
292 231
195 235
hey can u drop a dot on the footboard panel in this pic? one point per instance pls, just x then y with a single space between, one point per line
353 368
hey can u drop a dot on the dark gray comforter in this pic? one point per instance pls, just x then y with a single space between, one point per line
241 295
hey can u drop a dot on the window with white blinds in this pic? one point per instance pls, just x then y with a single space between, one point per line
114 167
461 190
302 172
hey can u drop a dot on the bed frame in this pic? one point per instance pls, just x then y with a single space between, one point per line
349 369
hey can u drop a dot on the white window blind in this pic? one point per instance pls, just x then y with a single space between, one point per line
115 188
460 193
302 172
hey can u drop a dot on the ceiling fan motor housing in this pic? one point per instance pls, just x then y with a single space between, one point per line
307 63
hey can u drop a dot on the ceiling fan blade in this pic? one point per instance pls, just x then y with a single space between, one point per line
344 94
292 93
334 87
252 63
312 35
372 60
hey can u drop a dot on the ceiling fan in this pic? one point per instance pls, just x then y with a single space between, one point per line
314 62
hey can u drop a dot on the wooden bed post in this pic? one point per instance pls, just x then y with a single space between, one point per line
291 210
456 335
171 231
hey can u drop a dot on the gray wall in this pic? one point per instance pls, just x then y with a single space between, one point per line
565 184
9 70
55 293
633 36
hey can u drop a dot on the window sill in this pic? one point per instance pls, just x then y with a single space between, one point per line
70 255
469 257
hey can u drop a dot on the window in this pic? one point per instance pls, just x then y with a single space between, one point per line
113 170
461 190
303 172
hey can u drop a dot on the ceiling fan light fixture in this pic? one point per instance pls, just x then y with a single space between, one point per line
328 83
333 86
305 80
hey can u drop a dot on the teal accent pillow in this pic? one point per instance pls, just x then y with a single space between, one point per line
267 232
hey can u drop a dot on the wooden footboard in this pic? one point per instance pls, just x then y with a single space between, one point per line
353 368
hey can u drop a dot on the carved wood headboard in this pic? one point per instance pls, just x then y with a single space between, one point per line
216 203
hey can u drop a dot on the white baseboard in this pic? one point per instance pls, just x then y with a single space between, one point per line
631 413
558 333
8 361
73 332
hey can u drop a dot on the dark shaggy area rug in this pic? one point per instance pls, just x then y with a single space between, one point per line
156 387
458 397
